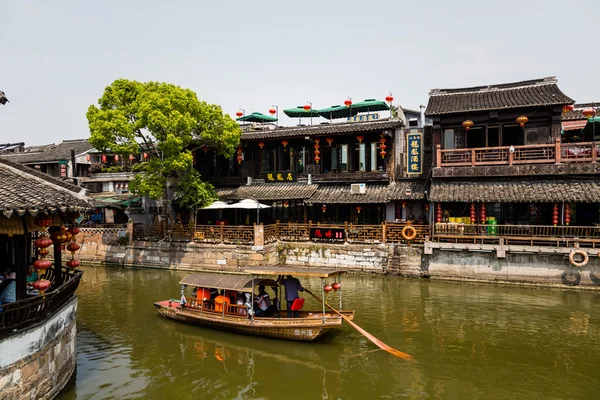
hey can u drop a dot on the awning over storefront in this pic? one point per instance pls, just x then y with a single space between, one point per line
517 191
574 125
341 194
269 191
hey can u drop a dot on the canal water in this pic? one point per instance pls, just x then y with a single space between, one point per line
469 341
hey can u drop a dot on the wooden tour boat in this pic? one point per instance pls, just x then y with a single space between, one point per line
237 318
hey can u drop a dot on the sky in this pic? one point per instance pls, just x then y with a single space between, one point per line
57 57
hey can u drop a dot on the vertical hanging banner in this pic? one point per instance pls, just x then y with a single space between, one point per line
414 153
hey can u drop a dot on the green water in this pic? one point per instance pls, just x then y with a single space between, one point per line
469 342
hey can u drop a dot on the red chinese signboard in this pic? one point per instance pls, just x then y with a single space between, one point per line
328 234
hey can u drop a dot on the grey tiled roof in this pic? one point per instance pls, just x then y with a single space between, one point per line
517 190
23 188
269 191
533 93
412 189
340 194
50 152
323 129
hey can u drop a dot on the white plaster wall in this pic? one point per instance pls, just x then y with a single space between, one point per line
30 341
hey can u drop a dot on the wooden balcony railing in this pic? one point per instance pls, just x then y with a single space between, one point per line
518 155
586 236
23 313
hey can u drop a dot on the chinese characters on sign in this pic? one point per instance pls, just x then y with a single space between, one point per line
328 234
363 118
62 166
281 176
414 153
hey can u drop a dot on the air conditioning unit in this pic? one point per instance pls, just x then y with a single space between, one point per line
358 188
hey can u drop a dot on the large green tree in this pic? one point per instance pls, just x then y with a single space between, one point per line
166 121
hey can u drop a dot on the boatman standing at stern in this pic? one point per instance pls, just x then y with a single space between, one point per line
292 286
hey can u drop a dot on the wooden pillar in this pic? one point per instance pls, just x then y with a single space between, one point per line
20 249
438 155
557 151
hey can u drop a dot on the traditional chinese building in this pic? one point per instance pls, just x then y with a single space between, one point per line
367 170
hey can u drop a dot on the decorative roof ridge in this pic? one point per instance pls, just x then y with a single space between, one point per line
27 172
496 87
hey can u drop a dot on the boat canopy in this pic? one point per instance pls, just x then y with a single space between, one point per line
240 283
320 273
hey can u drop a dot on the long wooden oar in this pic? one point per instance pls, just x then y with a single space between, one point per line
366 334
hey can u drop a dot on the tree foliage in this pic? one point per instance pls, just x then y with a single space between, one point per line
166 121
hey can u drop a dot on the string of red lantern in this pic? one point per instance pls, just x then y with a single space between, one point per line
42 244
317 151
473 213
240 154
439 213
555 214
482 214
73 247
567 214
382 146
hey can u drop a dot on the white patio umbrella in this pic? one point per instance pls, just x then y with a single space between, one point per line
217 205
250 204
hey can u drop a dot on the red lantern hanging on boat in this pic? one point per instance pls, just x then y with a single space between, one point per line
473 213
317 151
285 143
336 286
307 107
272 111
482 214
439 213
41 285
358 209
324 207
240 154
348 102
360 138
567 214
327 288
522 120
329 141
467 124
588 112
555 214
239 113
103 158
389 98
261 145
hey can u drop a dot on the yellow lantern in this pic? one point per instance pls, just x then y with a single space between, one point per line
467 124
522 120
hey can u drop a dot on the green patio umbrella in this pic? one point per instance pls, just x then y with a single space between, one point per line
300 112
592 128
257 117
338 111
371 105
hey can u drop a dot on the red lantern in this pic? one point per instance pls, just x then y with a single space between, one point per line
131 157
358 209
272 111
588 112
43 242
43 222
103 158
74 230
240 155
116 157
389 98
43 252
439 213
347 102
555 214
324 208
467 124
336 286
329 141
360 138
205 148
568 108
307 107
42 285
42 264
473 213
327 288
261 145
317 152
382 152
239 113
73 247
88 157
567 214
482 214
73 263
522 120
284 143
145 156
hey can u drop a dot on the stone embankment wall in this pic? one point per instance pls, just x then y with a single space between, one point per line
108 246
38 362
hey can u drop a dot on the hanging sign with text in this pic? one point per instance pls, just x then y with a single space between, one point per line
414 153
281 176
328 234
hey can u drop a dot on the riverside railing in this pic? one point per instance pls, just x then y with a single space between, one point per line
23 313
558 236
552 153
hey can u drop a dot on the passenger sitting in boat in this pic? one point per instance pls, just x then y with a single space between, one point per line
262 302
213 293
240 302
276 302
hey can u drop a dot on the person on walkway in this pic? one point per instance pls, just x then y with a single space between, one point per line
262 302
292 286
